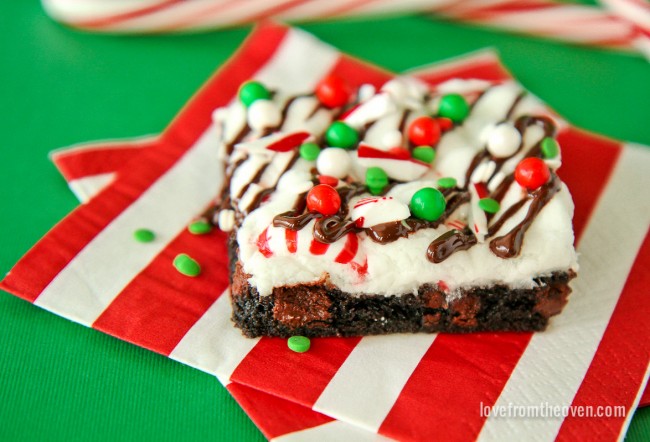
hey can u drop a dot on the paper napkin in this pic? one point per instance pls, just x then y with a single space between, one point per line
407 387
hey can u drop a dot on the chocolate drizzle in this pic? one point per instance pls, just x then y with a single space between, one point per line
448 243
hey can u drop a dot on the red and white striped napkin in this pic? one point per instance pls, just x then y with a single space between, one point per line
407 387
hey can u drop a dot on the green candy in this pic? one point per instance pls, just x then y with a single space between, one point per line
447 183
376 179
428 204
424 153
144 235
309 151
550 148
199 227
489 205
342 135
454 107
252 91
299 344
186 265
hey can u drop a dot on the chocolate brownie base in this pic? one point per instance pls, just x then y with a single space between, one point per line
322 310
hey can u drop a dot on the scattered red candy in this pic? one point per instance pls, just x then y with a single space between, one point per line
329 180
532 173
424 131
444 123
323 199
333 91
400 153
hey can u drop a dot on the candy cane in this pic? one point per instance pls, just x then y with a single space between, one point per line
623 25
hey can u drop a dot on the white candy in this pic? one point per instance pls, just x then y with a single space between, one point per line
366 91
334 161
378 210
392 138
503 140
263 114
226 220
295 181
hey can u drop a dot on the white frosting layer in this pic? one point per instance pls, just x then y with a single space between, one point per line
361 265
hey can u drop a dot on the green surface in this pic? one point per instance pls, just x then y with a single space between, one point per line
61 381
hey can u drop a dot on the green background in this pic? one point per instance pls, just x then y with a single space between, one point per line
59 86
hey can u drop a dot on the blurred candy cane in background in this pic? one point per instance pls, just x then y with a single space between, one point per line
619 24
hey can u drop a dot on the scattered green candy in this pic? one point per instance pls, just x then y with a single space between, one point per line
309 151
424 153
144 235
428 204
299 344
447 183
342 135
252 91
186 265
454 107
489 205
199 227
550 148
376 179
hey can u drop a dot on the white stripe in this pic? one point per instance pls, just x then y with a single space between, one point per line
334 431
92 279
556 361
377 370
87 187
213 344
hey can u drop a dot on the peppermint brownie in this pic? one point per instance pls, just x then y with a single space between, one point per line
411 208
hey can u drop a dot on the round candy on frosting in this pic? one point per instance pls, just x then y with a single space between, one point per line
309 151
428 204
454 107
323 199
263 114
333 91
503 140
342 135
376 179
550 148
532 173
424 131
334 162
369 212
252 91
424 153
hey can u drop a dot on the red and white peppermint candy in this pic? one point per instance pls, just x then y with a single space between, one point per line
368 212
477 220
373 109
276 142
395 165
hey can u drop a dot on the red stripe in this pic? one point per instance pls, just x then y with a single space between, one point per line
618 367
160 305
453 377
50 255
300 377
288 142
481 67
349 250
591 155
291 238
263 244
318 248
97 160
275 416
117 18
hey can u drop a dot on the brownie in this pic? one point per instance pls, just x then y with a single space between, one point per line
400 210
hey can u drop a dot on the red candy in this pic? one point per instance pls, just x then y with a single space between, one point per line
444 123
329 180
323 199
400 153
532 173
333 91
424 131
